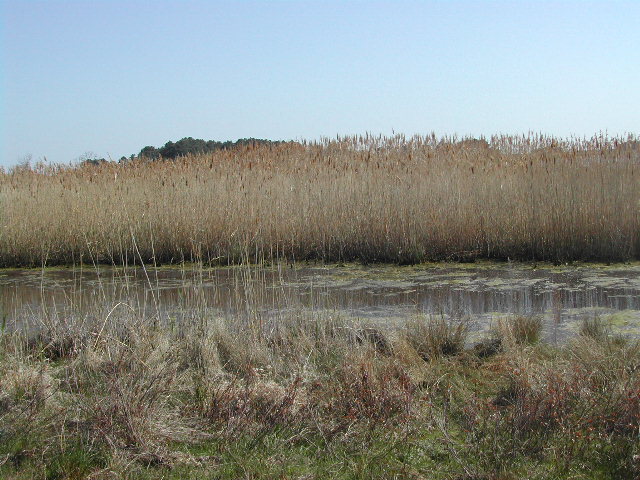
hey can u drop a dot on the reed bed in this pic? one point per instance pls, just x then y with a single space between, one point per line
372 199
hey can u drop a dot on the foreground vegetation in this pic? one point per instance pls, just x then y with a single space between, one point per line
309 397
370 199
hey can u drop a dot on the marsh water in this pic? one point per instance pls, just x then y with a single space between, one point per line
382 294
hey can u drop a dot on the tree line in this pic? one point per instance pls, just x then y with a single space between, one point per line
183 147
190 146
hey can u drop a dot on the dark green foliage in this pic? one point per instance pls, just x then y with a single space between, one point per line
195 146
93 162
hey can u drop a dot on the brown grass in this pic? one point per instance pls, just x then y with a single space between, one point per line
142 400
369 199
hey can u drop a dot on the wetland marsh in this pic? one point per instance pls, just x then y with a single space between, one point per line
361 308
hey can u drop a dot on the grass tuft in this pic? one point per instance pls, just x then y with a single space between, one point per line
436 336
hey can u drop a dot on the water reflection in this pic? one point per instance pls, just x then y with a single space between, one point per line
385 294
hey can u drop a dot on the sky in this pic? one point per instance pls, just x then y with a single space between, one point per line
106 78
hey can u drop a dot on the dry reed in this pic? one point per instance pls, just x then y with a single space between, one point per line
371 199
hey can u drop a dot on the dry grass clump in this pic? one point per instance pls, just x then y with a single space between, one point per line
436 336
254 404
519 330
25 383
357 198
594 327
515 332
368 389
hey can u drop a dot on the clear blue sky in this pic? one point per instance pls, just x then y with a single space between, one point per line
111 76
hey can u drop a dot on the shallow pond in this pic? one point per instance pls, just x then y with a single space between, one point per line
382 294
